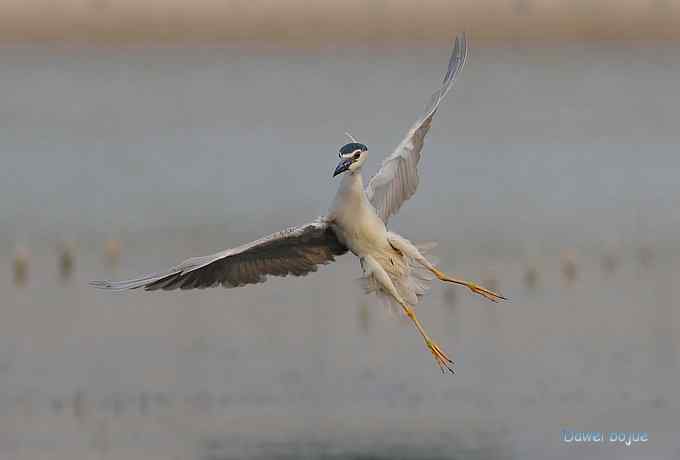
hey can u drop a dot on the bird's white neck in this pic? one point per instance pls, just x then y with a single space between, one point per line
351 182
350 196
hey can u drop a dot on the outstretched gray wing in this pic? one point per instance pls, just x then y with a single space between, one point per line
397 179
294 251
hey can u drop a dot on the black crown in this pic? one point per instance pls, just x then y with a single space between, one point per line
351 147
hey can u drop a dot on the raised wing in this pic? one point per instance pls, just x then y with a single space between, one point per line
294 251
397 179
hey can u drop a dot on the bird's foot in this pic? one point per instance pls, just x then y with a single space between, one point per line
443 361
486 293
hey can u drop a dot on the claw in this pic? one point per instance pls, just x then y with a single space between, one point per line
487 294
443 361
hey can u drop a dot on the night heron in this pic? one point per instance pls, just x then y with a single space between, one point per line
393 267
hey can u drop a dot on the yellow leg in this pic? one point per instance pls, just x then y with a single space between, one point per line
492 296
443 361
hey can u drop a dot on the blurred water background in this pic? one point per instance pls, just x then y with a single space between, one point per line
551 170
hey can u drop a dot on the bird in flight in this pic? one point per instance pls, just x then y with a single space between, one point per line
393 267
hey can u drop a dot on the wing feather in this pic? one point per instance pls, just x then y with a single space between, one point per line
397 179
295 251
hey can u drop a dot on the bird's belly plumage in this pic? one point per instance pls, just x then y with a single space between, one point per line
361 230
357 225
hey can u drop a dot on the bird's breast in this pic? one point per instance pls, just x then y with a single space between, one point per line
361 230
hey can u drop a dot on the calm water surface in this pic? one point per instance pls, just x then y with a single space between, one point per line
539 152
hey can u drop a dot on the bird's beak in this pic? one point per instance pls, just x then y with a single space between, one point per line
342 166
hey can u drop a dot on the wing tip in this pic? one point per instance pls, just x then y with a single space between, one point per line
98 284
123 285
458 58
110 286
105 285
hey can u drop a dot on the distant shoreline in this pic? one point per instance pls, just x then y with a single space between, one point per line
303 24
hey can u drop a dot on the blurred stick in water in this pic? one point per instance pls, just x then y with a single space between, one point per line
568 266
531 277
610 263
66 260
645 257
20 265
79 405
364 317
112 250
450 297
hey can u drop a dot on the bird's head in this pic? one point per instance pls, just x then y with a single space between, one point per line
352 157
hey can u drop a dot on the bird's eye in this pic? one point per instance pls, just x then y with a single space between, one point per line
357 155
